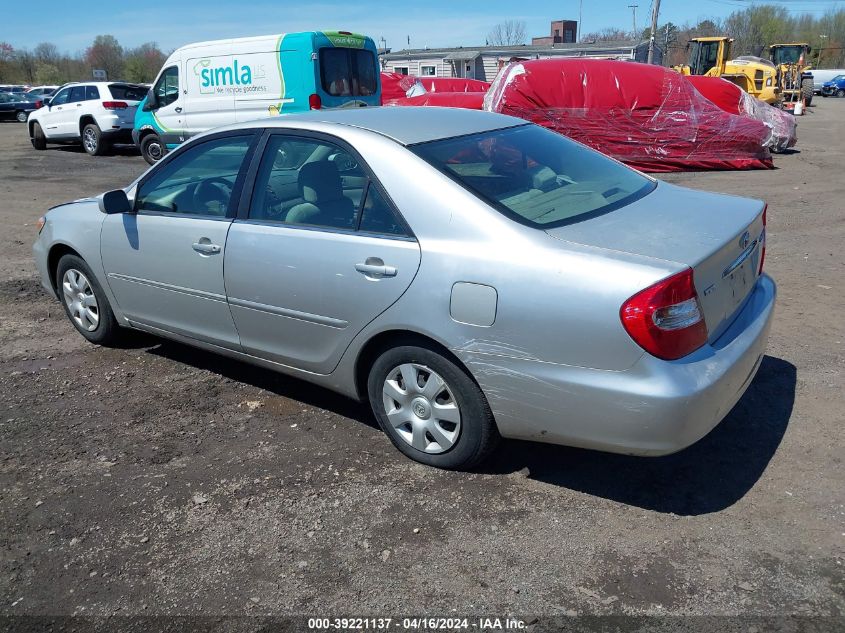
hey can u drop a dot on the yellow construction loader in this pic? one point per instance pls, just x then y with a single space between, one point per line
793 78
710 56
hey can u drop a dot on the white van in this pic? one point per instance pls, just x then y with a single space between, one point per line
209 84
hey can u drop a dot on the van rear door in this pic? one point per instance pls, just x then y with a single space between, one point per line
347 71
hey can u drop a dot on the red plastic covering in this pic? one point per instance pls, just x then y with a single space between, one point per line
468 100
646 116
453 84
731 98
394 85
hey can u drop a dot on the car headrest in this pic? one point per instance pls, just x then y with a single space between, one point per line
320 182
542 178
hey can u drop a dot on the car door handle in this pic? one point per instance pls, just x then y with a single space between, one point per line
78 105
206 248
178 109
376 269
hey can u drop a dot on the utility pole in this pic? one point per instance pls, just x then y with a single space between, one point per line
633 8
654 15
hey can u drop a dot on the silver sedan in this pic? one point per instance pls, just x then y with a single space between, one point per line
471 275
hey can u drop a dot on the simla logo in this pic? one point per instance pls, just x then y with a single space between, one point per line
226 78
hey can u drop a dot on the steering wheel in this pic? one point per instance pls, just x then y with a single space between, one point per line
211 197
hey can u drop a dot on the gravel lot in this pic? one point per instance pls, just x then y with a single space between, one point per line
158 479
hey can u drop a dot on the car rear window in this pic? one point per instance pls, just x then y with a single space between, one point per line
127 92
348 72
536 176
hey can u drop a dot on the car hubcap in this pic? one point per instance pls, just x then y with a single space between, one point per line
154 150
421 408
22 117
80 300
90 140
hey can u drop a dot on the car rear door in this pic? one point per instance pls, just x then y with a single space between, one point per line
164 262
305 275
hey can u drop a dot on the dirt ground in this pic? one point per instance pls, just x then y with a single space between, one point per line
158 479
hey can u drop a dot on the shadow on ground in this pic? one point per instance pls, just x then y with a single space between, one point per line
709 476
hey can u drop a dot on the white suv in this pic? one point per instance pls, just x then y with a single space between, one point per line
97 113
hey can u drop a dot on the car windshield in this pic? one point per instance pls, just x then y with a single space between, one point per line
838 78
535 176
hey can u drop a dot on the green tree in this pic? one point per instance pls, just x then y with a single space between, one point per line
106 54
47 74
143 63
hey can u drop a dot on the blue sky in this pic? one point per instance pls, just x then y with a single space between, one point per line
72 24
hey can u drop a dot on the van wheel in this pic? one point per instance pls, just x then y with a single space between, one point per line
431 410
38 139
152 149
21 116
92 140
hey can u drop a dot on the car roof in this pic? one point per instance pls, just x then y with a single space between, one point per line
406 125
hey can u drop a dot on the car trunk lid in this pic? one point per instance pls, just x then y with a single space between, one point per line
719 236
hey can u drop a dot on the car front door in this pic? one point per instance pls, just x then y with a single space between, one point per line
320 253
164 261
54 121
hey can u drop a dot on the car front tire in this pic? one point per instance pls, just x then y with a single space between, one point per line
840 93
84 301
152 148
431 410
39 141
92 140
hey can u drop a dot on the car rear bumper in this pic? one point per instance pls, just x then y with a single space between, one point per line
656 407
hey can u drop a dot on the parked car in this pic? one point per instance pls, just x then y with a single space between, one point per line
519 284
821 76
43 91
12 88
14 105
209 84
97 114
835 87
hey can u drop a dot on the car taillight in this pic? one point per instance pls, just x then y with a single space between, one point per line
38 104
763 241
665 319
115 105
315 102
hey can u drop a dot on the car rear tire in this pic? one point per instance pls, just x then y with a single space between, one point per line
431 410
38 140
21 116
92 140
152 149
85 303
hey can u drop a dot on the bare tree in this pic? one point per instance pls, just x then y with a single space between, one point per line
507 33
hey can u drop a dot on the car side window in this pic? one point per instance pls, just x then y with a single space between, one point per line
377 216
198 181
61 97
167 86
308 182
92 93
77 93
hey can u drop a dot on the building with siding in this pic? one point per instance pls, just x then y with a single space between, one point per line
484 62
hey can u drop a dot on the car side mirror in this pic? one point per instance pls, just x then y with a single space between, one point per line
47 101
151 102
113 202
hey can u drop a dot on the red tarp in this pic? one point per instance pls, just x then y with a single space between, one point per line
731 98
649 117
468 100
453 84
394 85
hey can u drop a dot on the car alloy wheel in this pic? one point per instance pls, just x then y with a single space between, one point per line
21 117
421 408
80 300
89 140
